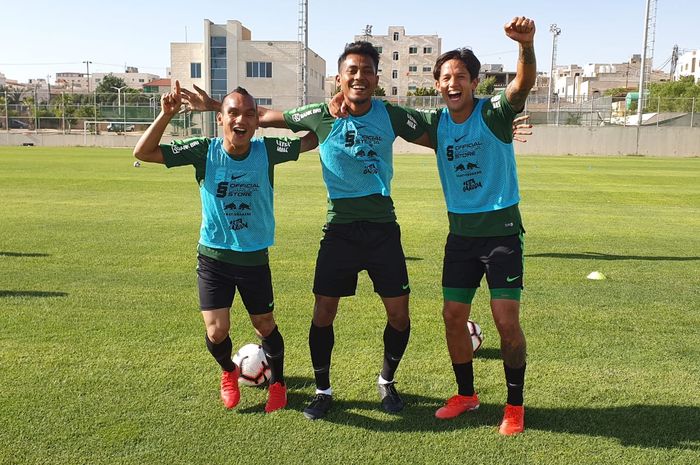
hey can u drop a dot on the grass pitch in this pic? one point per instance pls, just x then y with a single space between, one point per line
102 356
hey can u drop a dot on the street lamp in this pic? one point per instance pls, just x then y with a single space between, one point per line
119 98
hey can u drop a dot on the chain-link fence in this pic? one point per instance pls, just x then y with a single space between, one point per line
71 113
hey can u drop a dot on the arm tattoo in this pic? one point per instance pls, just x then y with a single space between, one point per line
518 97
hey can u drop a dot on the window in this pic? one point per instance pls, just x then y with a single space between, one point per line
412 50
412 68
394 74
195 70
217 41
395 55
394 91
263 101
258 69
427 69
427 49
141 80
411 88
379 71
379 49
396 36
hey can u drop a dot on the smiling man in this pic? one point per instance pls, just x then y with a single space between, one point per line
476 162
235 177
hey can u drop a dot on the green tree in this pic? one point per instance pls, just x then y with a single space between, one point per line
424 92
379 91
674 95
486 87
107 89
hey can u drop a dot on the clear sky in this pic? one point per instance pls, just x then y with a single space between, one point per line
42 38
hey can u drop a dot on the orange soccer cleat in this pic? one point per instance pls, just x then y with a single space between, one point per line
513 420
457 405
276 397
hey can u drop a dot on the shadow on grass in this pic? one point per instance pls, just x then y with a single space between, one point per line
649 426
22 254
603 256
4 293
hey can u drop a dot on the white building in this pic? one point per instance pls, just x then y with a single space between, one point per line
228 58
405 61
78 82
689 65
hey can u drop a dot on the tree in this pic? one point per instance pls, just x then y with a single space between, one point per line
424 92
486 87
106 89
674 95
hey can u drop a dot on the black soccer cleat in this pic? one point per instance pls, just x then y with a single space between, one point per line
391 401
319 407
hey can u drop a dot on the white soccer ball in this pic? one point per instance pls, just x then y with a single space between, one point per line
476 334
253 364
137 164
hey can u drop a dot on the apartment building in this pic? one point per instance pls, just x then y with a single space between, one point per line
405 61
228 57
689 65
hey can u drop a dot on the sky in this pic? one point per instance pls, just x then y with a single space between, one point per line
44 38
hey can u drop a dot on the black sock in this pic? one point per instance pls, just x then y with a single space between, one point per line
221 352
273 346
464 373
515 381
321 340
395 343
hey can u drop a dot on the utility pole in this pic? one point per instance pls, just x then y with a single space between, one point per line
556 31
647 55
87 63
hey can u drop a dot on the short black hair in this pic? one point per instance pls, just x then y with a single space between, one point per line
465 55
360 47
242 91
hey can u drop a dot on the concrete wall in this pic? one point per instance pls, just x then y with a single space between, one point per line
546 140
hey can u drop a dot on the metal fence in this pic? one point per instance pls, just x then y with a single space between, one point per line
132 112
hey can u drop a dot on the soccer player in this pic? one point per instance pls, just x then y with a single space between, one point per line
235 177
476 163
361 232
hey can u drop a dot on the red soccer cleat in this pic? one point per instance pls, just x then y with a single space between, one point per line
230 394
457 405
276 397
513 420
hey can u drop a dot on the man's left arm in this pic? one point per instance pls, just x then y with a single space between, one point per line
522 30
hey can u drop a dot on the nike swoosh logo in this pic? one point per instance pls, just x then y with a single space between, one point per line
405 286
237 177
271 304
510 280
457 139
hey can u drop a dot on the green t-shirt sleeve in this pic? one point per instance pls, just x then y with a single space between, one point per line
315 118
282 149
406 122
499 115
430 120
192 151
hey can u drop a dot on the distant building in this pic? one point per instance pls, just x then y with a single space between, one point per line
78 82
228 58
689 65
574 83
405 61
159 86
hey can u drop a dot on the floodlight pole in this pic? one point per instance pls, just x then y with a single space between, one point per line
642 67
555 33
119 99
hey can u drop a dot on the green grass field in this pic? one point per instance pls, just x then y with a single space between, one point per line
102 356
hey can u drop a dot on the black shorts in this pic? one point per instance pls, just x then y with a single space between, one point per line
347 249
467 259
218 281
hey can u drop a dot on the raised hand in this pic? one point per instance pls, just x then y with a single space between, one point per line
171 102
521 127
199 100
520 29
